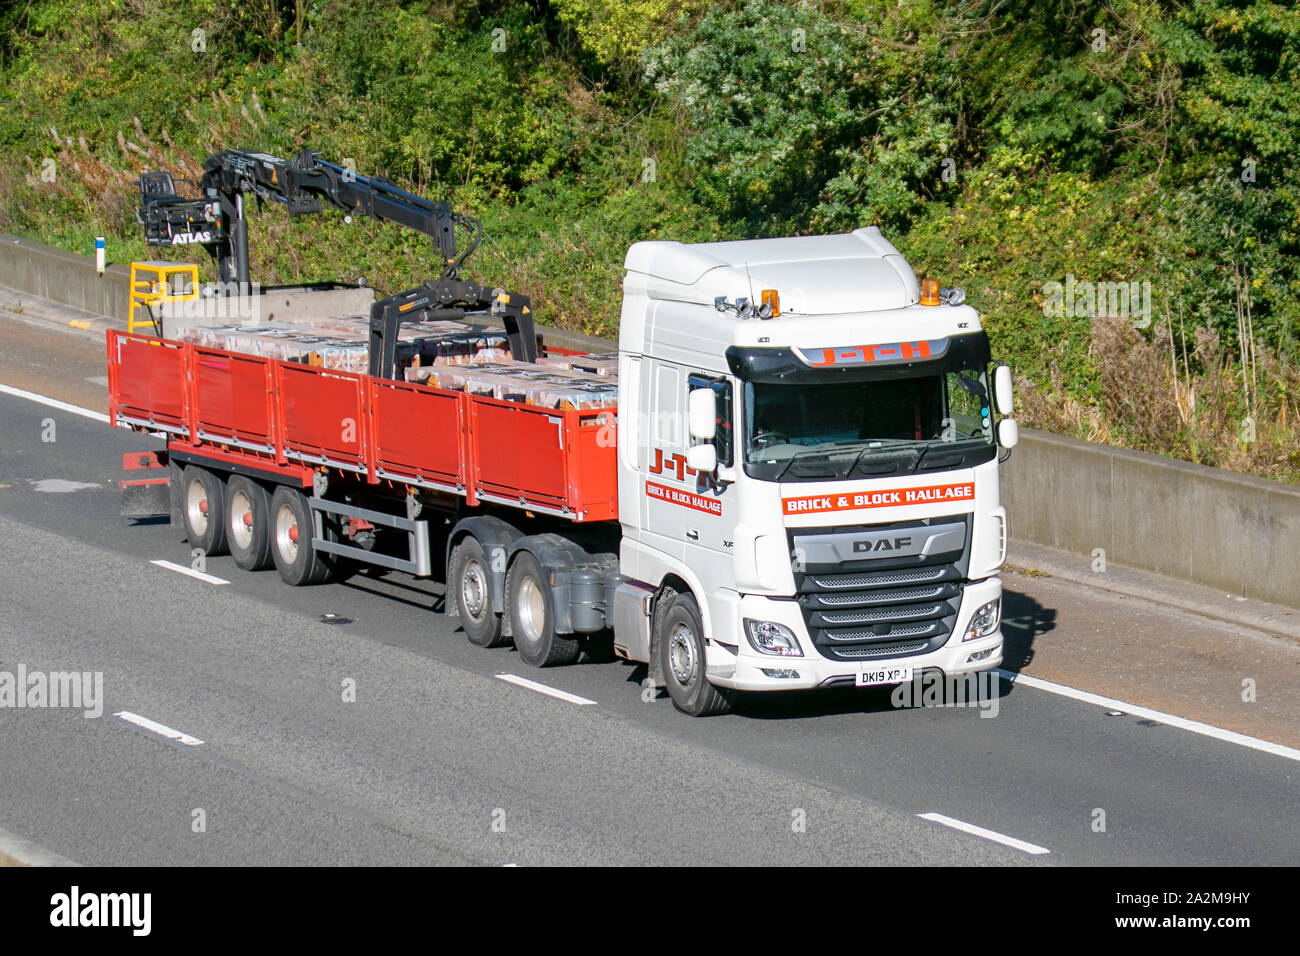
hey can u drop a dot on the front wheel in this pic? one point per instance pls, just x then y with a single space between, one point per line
679 638
532 616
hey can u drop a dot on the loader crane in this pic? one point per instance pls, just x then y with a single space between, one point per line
216 220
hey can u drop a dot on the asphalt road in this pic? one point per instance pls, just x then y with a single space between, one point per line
440 761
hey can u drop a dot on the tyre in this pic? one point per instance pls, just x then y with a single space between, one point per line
203 503
469 581
291 532
679 643
532 616
248 523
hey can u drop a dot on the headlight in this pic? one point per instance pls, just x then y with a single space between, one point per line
985 620
768 637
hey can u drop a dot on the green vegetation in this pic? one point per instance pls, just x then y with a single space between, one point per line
1002 145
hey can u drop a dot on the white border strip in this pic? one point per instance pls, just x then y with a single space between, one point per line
161 729
993 835
54 403
1196 727
181 569
543 689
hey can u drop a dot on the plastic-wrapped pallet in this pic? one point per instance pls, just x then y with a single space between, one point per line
604 363
523 382
343 343
341 354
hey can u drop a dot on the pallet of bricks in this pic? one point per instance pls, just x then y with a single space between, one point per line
454 355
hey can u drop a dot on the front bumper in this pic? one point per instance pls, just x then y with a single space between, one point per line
746 669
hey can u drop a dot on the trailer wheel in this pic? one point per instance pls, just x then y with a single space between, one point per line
469 581
204 507
248 528
532 617
291 532
679 642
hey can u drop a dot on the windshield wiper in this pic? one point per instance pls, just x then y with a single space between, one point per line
811 454
887 449
958 455
889 454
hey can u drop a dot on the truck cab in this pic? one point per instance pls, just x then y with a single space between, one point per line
807 469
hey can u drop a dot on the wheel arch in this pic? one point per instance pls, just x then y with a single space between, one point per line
565 561
681 585
497 538
686 583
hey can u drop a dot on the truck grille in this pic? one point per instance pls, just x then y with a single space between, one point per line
859 610
875 579
883 650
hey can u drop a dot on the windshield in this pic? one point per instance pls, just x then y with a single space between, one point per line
938 418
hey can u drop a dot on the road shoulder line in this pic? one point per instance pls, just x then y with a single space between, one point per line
53 403
1160 717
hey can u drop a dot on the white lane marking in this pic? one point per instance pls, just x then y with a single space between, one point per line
182 569
1133 710
54 403
543 689
161 729
993 835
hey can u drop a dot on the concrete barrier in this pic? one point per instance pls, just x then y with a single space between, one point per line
64 277
1206 525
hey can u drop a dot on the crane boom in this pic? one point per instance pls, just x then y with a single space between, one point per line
304 185
215 219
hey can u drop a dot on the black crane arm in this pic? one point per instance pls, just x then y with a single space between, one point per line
304 184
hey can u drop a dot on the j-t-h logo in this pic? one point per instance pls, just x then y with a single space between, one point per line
670 464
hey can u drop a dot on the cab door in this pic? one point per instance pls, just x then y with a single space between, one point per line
663 524
710 513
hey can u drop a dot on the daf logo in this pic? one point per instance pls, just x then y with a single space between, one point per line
881 544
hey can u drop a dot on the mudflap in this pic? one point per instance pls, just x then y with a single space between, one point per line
150 495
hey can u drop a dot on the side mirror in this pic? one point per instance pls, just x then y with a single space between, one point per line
702 458
702 414
1002 394
1008 433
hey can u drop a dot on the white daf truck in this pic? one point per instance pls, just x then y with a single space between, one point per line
808 460
798 487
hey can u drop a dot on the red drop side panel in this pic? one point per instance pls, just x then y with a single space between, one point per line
289 418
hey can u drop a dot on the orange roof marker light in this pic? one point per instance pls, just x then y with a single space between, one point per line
930 292
772 298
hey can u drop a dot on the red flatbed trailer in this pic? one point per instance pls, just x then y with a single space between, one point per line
286 422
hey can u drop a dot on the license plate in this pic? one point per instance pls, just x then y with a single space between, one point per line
884 675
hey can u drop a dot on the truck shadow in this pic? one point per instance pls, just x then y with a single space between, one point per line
394 586
1023 621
